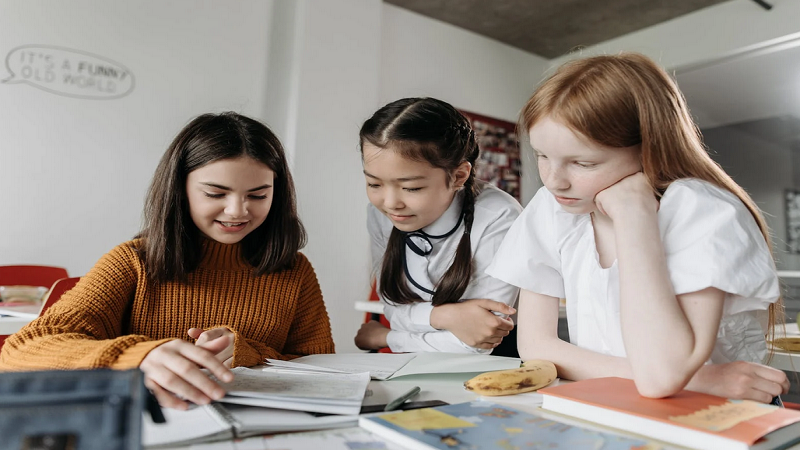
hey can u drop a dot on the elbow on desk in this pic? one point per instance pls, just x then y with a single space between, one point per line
537 348
659 378
660 386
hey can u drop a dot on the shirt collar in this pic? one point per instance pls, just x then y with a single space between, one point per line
448 219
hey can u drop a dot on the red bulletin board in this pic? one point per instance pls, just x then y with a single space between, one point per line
499 162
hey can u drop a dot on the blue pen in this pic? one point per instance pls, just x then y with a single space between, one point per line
394 404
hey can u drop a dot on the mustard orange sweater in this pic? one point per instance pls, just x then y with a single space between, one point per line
114 316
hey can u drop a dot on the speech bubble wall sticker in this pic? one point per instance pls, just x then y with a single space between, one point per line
72 73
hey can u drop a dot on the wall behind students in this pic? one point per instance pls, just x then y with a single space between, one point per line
322 83
75 170
765 173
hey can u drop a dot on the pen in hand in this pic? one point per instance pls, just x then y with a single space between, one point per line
394 404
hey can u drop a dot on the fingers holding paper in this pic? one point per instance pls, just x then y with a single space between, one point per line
213 339
172 373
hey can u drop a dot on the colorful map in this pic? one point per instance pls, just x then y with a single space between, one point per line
484 425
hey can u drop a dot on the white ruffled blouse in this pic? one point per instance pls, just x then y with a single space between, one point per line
710 240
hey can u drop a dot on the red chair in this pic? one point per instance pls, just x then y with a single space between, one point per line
31 275
56 291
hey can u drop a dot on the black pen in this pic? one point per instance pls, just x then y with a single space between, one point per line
394 404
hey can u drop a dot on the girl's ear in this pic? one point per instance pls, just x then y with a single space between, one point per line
461 174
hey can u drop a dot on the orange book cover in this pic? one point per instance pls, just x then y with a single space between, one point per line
742 421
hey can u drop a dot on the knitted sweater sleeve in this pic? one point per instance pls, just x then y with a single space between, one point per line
83 329
309 333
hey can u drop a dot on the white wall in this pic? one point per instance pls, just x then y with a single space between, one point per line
424 57
764 169
74 171
323 84
710 33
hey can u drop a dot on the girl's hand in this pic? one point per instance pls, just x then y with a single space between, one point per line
740 380
372 336
206 338
172 373
474 322
630 193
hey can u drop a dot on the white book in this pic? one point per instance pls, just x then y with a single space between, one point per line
331 393
214 422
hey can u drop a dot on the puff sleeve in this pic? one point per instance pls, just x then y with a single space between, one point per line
711 240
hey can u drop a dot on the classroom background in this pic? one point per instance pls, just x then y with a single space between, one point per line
78 145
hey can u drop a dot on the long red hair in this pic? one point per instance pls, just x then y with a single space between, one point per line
625 100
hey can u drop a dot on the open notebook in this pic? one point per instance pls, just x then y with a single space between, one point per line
214 422
388 366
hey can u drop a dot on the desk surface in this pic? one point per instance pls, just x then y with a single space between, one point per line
448 388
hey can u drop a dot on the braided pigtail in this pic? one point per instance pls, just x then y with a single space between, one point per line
456 280
393 285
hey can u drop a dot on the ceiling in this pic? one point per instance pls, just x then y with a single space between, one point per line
551 28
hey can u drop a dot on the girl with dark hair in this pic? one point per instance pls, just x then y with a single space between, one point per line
216 262
434 229
663 259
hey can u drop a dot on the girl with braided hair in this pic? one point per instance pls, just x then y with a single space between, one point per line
434 228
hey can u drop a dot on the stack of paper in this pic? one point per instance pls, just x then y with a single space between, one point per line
321 392
380 366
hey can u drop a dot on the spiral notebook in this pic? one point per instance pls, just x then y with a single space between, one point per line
215 422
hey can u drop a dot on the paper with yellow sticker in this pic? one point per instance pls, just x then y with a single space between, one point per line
427 419
725 416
